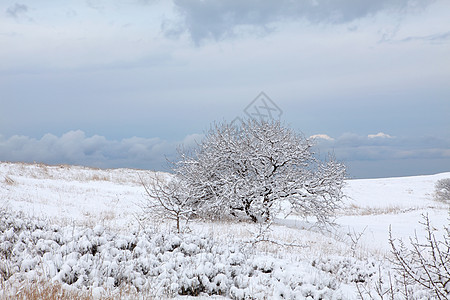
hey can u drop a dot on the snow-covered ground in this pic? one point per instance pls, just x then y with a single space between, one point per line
84 227
377 204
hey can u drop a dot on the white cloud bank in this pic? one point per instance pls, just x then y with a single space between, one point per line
322 136
380 135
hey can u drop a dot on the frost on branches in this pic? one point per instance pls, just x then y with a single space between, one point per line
442 190
168 198
427 263
250 170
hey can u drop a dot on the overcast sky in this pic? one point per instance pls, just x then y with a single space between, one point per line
121 83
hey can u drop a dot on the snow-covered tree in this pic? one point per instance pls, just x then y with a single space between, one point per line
250 170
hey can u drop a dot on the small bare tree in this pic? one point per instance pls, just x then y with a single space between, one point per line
442 190
168 198
427 264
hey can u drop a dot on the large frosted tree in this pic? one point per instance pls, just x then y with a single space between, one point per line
252 169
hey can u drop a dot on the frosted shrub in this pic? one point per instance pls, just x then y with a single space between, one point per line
442 190
158 265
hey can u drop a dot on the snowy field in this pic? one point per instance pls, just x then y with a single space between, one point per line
82 229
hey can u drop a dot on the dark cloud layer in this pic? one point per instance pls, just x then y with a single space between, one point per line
378 147
366 156
381 155
217 19
75 147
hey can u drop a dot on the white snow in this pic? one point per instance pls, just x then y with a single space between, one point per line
80 226
375 205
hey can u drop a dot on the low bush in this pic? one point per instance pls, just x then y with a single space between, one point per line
442 190
156 264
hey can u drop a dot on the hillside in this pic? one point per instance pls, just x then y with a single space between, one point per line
92 203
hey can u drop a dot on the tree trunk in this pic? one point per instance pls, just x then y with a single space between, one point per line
248 213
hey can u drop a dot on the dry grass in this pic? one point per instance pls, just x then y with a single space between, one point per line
30 290
9 181
44 290
356 210
97 177
77 173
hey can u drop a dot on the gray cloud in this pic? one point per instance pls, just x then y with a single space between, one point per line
428 38
95 4
16 9
352 147
217 19
74 147
365 156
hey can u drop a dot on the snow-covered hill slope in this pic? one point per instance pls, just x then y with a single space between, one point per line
374 205
71 194
111 197
398 193
79 197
